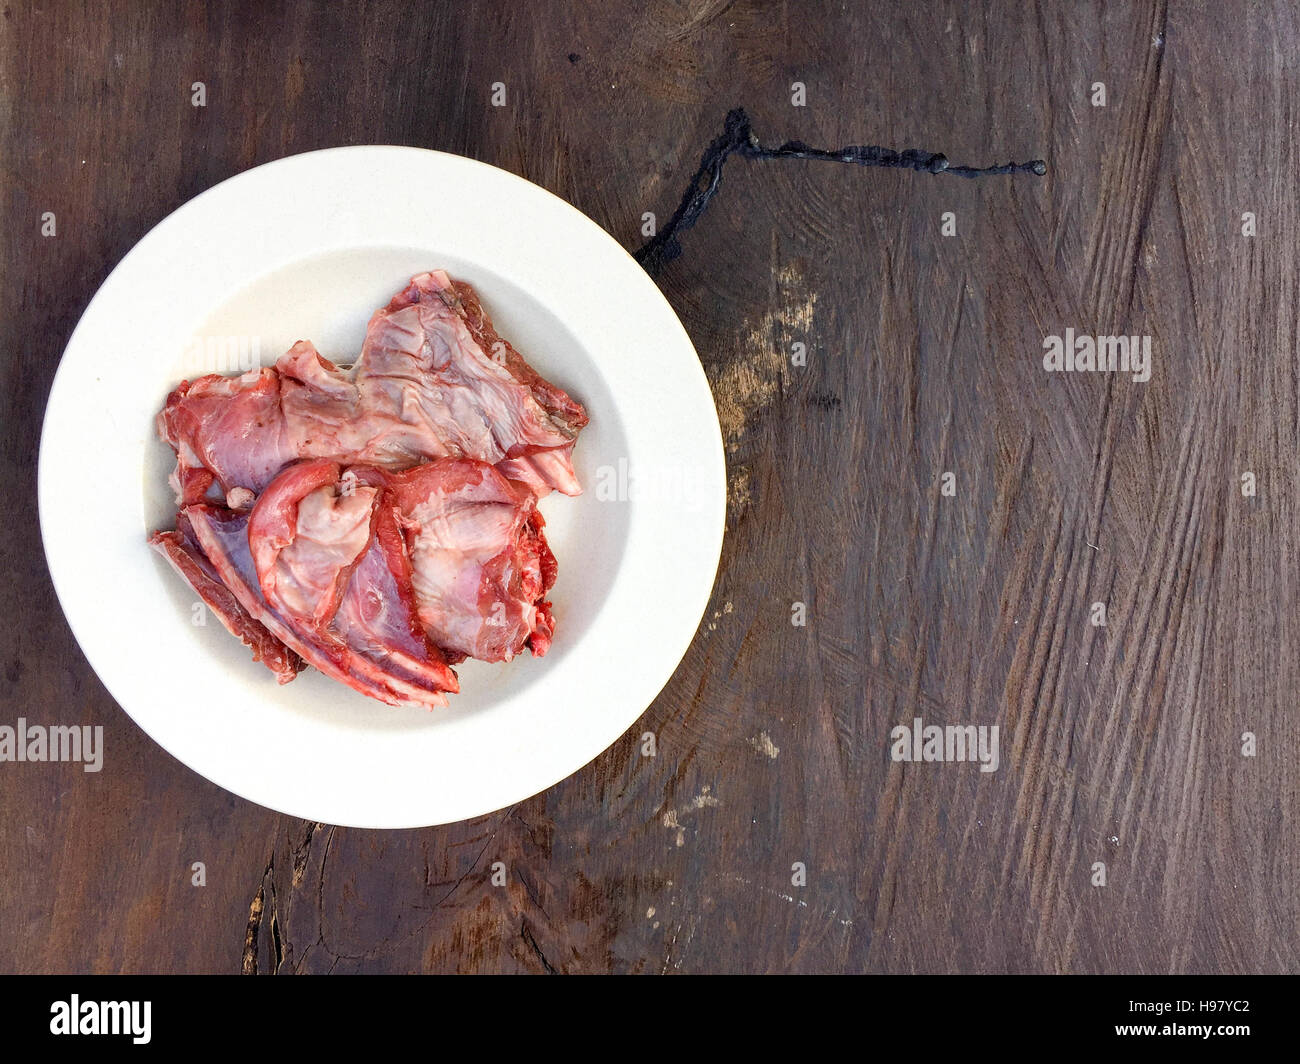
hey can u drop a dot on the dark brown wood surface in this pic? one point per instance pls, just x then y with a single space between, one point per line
1120 744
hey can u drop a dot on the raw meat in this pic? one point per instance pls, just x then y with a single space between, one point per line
186 558
433 358
433 379
378 617
226 431
377 521
481 564
305 535
375 648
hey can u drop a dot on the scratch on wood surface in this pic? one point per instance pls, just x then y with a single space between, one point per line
674 957
708 11
833 914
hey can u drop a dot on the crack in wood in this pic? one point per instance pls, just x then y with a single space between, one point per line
253 931
526 933
738 138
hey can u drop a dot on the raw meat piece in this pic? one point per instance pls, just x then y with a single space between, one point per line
354 652
565 412
433 379
481 564
225 430
183 554
542 471
433 358
305 536
378 616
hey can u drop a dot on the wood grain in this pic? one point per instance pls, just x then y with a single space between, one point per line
1121 744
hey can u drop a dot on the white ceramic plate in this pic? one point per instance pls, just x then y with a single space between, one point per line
309 247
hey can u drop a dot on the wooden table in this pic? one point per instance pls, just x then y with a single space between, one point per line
1121 744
